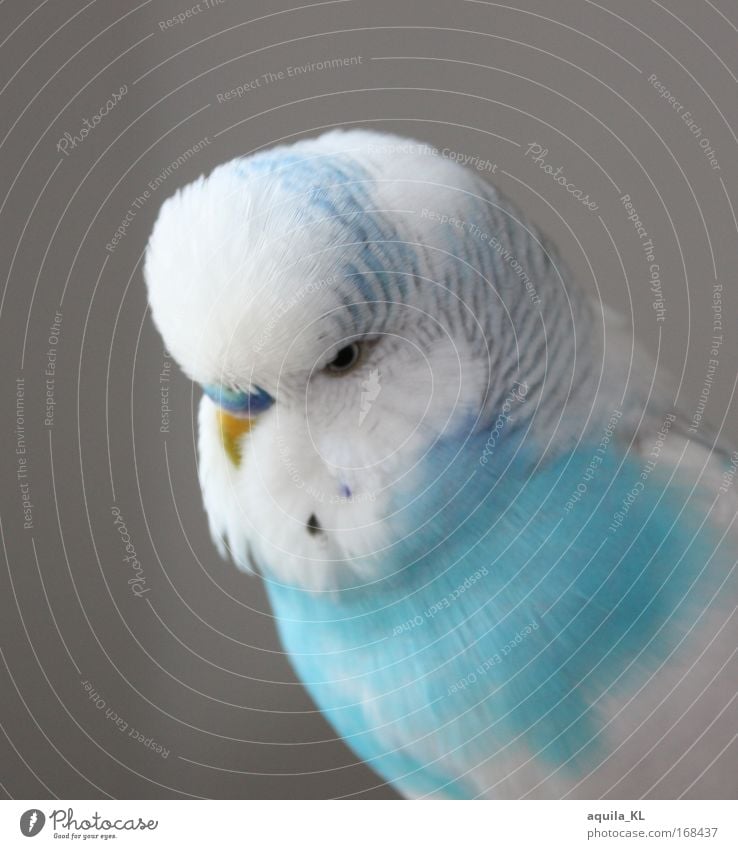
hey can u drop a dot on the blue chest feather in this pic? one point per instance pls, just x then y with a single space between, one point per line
506 614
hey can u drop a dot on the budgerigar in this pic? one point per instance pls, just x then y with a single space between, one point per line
501 561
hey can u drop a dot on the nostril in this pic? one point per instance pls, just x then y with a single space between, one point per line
313 525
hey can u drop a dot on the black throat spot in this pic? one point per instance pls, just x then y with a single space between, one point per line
313 525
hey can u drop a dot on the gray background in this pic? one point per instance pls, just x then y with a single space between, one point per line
194 663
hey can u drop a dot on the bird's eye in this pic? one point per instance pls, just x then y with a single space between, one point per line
347 358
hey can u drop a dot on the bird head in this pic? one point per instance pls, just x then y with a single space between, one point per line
348 304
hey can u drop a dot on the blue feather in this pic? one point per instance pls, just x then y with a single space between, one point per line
505 628
339 190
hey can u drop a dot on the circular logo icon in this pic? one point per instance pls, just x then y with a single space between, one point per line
32 822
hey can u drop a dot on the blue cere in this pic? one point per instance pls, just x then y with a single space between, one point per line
237 402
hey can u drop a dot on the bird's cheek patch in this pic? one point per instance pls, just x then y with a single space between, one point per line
231 429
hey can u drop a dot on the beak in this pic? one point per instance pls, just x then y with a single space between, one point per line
236 410
231 429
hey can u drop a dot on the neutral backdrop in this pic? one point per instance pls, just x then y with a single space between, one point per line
183 690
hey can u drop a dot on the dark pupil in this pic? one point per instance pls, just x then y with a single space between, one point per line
345 357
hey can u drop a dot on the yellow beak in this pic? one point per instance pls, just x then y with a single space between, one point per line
231 429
